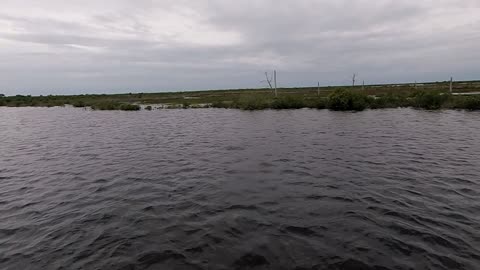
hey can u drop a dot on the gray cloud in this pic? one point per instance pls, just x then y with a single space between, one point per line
122 46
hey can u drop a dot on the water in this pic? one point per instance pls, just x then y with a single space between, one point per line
228 189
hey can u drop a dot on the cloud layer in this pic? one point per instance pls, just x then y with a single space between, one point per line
89 46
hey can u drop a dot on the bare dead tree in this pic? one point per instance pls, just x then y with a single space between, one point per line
353 79
363 85
318 89
275 81
272 79
451 85
269 80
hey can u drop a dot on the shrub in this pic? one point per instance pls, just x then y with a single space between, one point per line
316 103
50 104
321 103
105 106
288 102
185 104
467 102
472 103
429 100
347 100
79 104
388 101
221 104
110 106
252 103
129 107
148 108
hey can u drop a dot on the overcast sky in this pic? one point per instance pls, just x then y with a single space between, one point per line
107 46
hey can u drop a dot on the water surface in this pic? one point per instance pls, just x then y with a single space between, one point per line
229 189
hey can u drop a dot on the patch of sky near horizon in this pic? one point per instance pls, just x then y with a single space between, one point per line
118 46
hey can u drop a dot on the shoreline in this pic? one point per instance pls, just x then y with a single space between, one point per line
465 95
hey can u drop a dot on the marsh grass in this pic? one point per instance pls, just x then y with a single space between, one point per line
111 106
425 96
129 107
79 104
288 102
221 104
186 104
470 103
317 103
252 103
389 100
347 100
430 100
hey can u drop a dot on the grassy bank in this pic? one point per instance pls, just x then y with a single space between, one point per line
96 103
348 100
422 95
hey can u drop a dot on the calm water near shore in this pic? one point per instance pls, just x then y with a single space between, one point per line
231 189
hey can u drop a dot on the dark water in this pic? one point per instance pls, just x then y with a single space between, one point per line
227 189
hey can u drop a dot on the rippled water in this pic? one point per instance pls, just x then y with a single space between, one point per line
228 189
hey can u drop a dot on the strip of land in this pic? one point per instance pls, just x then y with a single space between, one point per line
432 95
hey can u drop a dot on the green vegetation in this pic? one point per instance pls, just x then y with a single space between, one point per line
129 107
430 100
185 104
108 105
347 100
288 102
389 100
252 103
318 103
429 96
79 104
468 103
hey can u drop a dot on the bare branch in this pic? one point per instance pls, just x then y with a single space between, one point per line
269 80
275 81
451 84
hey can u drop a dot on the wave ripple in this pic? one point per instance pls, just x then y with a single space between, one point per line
227 189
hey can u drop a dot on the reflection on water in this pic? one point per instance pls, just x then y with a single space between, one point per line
228 189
